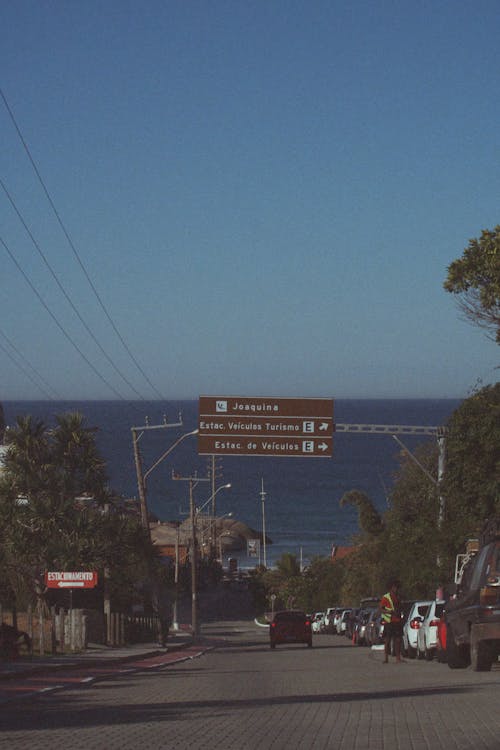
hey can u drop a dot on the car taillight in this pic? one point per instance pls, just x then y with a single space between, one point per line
488 596
273 624
415 624
434 623
308 623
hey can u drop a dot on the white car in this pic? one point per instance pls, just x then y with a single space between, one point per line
328 621
342 623
427 634
337 619
317 622
412 625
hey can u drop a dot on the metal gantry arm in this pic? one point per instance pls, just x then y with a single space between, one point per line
387 429
394 430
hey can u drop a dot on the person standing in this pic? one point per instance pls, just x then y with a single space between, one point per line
390 609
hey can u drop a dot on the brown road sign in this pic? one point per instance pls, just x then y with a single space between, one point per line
265 426
244 445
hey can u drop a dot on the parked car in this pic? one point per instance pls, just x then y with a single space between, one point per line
473 618
336 618
427 634
374 629
342 621
412 625
441 640
317 622
351 623
359 636
290 626
328 620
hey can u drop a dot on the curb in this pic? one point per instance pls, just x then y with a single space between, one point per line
27 669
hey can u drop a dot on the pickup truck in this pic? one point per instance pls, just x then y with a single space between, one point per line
473 617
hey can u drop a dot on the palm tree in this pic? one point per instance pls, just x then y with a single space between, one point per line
370 520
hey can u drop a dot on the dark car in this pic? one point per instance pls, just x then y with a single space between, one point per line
290 626
472 619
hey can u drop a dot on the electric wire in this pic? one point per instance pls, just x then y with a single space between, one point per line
63 290
75 252
24 370
59 325
28 364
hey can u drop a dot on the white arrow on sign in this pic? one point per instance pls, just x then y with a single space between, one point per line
323 446
70 584
323 426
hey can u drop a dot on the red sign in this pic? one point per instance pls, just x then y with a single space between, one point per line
70 580
265 426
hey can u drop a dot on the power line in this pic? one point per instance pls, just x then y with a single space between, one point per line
63 290
76 254
59 325
24 369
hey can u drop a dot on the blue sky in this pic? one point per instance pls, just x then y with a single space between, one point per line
265 195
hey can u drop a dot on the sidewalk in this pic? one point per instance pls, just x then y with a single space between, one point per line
95 655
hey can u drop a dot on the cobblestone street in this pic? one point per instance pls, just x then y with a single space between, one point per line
241 694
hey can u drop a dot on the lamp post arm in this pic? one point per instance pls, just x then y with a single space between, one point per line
223 487
164 455
416 461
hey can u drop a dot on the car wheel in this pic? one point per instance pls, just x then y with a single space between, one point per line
429 654
412 652
457 655
420 654
481 655
273 645
309 644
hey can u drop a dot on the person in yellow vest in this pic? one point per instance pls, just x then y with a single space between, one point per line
390 609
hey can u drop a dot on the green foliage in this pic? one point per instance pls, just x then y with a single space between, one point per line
413 545
472 479
412 539
56 512
313 590
475 278
369 519
288 565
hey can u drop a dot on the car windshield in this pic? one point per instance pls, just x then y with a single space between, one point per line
290 616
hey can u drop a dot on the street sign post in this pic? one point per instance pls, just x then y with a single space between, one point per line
71 580
265 426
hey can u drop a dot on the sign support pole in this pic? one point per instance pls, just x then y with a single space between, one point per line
263 499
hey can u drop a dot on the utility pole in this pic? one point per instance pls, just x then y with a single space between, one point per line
137 433
193 481
213 525
263 500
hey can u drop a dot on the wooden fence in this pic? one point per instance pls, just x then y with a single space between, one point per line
64 631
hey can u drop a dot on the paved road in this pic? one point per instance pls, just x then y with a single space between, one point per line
241 695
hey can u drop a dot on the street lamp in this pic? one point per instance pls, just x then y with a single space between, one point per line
193 514
142 477
223 487
213 547
222 534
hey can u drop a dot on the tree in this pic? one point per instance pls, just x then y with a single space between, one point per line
2 424
472 479
370 521
413 538
475 278
288 565
57 513
362 567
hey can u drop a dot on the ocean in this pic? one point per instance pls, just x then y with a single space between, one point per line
301 509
